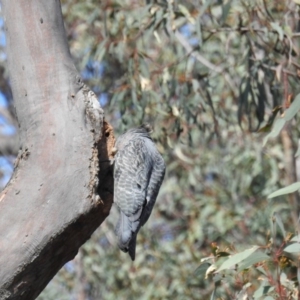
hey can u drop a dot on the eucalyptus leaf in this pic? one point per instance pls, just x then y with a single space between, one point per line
278 125
279 222
186 13
254 258
296 239
225 10
292 248
277 28
286 190
264 289
237 258
293 109
201 270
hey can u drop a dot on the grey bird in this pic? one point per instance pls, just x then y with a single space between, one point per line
139 170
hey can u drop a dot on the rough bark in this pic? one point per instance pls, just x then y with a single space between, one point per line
51 205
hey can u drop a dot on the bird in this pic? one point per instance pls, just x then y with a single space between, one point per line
139 170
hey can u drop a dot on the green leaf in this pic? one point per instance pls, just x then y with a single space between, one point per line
262 290
279 30
253 259
268 126
279 223
198 30
225 11
293 109
278 125
101 50
286 190
201 270
204 7
298 152
296 239
237 258
293 248
186 13
262 270
213 295
242 295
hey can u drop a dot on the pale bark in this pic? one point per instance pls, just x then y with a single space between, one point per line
51 205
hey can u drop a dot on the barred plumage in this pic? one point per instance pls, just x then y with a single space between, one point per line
138 173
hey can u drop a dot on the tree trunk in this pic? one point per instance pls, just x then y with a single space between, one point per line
51 205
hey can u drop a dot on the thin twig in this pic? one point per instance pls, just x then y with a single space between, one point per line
275 68
246 29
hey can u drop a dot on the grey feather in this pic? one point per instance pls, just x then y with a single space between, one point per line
138 174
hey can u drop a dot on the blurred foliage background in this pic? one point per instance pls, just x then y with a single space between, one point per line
211 76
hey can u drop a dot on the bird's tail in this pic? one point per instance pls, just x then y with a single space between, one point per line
126 231
131 247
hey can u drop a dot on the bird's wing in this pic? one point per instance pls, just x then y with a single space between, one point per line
156 179
131 178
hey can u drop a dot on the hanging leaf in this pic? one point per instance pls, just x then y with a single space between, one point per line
101 50
286 190
278 125
204 7
293 248
277 28
198 30
237 258
254 258
263 290
213 295
225 11
279 223
296 239
186 13
202 269
293 109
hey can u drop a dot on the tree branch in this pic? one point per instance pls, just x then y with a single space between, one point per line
51 205
246 29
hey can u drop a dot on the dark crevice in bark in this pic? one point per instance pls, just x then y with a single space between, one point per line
105 156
